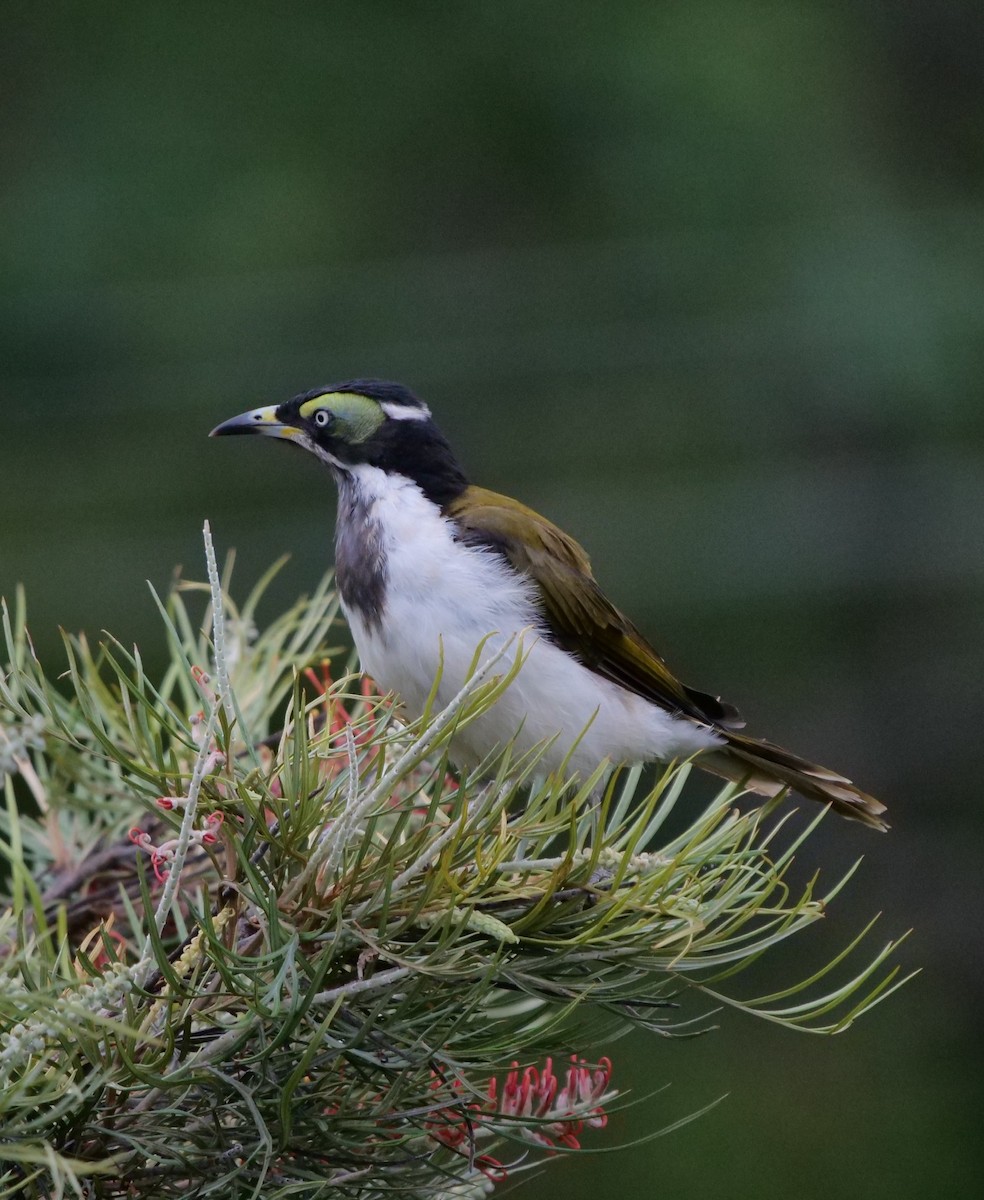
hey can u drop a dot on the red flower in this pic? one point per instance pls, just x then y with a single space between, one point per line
556 1112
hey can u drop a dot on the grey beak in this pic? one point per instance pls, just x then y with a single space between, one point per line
258 420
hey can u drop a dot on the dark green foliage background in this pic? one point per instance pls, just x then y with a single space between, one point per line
703 281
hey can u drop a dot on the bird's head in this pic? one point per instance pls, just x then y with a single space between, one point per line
360 424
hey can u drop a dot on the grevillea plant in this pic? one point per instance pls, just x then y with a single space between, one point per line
257 938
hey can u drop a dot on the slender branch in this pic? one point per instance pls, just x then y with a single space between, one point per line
223 686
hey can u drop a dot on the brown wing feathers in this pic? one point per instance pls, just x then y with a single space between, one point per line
581 619
579 615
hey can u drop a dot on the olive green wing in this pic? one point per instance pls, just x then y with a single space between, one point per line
578 615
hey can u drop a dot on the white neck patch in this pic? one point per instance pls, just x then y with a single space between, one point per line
404 412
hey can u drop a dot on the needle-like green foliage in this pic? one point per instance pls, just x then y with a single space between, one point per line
257 941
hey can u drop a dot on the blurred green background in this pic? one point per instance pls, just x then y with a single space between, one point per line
703 281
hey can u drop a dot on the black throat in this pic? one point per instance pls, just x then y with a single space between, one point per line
360 560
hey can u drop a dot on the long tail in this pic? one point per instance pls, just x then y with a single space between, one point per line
766 769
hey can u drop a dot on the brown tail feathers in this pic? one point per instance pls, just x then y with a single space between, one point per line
766 769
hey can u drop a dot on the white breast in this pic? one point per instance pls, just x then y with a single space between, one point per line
445 597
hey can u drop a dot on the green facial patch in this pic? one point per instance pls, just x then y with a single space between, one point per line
357 417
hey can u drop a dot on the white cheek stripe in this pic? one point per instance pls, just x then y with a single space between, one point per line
404 412
320 452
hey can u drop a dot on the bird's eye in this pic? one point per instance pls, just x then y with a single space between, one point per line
323 418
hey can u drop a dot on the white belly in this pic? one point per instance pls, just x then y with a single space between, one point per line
442 599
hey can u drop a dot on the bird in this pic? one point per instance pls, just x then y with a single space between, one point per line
434 572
